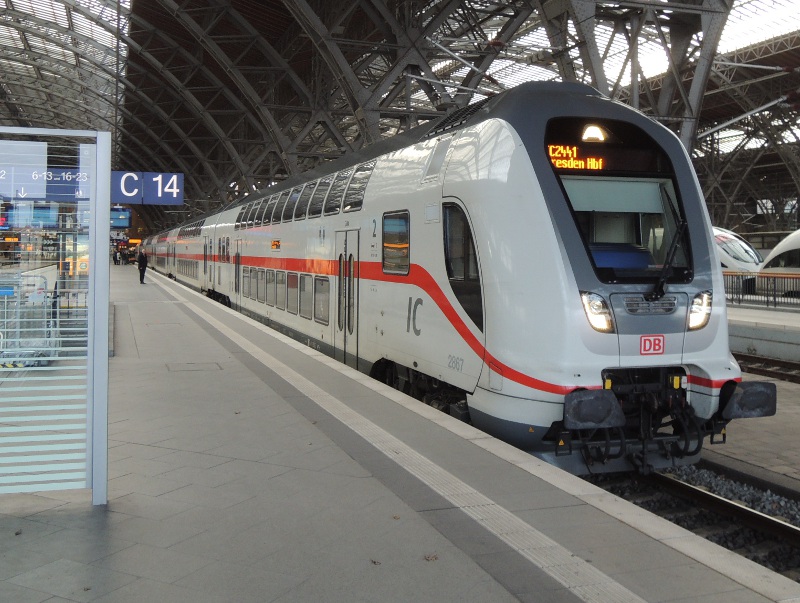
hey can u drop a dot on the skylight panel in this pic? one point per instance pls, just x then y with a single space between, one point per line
10 36
46 11
754 21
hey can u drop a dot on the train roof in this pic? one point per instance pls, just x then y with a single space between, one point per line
453 121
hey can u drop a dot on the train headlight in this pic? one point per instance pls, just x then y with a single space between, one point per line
594 133
597 312
700 310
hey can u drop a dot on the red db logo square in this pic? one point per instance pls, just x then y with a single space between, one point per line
650 345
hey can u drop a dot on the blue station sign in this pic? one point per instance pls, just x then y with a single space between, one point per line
146 188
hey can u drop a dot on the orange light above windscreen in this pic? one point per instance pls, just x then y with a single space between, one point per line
569 157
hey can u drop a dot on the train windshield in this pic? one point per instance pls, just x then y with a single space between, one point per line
621 190
736 247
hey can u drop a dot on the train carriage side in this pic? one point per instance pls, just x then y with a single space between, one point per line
189 258
420 337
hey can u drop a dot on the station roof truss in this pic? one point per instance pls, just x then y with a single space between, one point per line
238 94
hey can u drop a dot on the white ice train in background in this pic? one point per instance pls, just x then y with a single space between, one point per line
785 257
540 263
735 253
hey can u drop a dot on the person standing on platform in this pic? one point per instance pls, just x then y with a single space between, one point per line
141 260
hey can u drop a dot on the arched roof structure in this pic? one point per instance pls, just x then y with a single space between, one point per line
240 93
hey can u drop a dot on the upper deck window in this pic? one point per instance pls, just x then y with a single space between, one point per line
333 202
302 203
318 199
354 197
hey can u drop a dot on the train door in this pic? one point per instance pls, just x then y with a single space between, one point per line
345 340
212 263
237 274
205 264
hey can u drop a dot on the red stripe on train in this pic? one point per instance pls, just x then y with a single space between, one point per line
421 278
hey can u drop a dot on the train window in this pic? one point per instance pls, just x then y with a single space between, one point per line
227 249
620 186
246 282
461 262
259 217
333 202
260 285
267 217
396 239
628 224
318 199
288 209
322 299
251 215
302 203
351 297
270 287
306 296
278 212
242 211
354 197
340 303
280 290
292 289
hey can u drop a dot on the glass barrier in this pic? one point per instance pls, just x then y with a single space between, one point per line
53 375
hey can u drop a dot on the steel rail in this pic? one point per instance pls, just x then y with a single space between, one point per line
756 520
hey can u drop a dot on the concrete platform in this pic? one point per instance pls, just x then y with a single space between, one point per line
763 332
768 444
247 467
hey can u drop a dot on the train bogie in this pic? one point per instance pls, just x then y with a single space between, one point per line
538 263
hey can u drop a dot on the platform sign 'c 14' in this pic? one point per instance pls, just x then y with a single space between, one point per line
146 188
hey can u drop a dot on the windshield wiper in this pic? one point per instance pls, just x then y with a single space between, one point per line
666 271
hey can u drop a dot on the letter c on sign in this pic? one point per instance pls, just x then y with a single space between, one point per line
125 191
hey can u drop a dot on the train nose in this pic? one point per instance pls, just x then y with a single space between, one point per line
650 331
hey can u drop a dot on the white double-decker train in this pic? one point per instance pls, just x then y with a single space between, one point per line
540 263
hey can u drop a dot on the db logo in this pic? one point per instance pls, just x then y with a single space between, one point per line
651 344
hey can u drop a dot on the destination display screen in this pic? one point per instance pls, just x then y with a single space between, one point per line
569 157
601 145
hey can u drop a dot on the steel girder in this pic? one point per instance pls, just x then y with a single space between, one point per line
241 93
756 182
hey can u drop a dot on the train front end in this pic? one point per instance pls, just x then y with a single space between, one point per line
632 368
650 290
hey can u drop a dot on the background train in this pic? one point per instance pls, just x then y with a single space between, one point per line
785 257
540 263
735 253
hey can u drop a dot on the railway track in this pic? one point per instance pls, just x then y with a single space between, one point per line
764 539
784 370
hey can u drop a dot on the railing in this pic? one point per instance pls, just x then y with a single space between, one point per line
772 291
